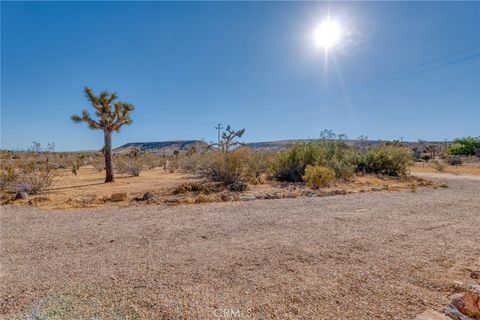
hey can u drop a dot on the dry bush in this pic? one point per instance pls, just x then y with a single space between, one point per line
318 176
438 164
234 169
98 164
30 173
131 166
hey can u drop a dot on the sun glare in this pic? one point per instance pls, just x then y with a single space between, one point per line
328 34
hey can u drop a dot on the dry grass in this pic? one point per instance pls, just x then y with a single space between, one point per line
68 191
471 168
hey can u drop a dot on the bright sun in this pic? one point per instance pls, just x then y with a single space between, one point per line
328 34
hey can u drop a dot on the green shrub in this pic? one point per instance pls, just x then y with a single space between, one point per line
318 176
392 160
468 146
290 165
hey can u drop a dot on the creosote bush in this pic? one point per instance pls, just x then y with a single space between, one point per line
234 168
392 160
290 165
31 173
438 164
318 176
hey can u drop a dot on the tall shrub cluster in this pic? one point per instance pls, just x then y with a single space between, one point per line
392 160
336 155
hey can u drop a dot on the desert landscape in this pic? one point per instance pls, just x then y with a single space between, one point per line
230 160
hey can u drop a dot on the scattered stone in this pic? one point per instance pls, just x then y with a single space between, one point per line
247 198
431 315
454 314
468 303
39 200
290 195
227 197
87 199
20 195
274 195
238 186
118 197
377 189
475 274
172 201
308 193
148 196
471 287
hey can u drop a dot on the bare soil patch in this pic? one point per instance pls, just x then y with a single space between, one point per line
87 190
379 255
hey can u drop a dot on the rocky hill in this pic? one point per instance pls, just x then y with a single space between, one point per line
161 146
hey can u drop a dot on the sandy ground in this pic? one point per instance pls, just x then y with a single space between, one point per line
464 169
68 191
362 256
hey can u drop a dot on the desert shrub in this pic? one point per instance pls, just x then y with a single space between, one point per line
98 164
233 168
28 174
426 157
438 164
131 166
337 155
468 146
392 160
454 160
318 176
190 162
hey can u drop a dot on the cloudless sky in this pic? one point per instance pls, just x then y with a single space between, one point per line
187 66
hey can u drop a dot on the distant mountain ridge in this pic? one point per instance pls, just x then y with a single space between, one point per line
161 146
170 146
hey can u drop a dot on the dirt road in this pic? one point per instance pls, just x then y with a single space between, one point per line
363 256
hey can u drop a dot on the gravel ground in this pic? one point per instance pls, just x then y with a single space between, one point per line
363 256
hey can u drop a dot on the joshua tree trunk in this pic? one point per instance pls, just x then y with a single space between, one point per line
108 157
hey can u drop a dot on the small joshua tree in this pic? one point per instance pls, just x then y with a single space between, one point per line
228 137
112 115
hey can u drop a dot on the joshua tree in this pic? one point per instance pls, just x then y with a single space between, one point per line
112 115
227 140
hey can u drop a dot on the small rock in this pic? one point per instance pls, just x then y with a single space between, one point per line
118 197
172 201
20 195
226 197
468 303
39 200
148 196
290 195
431 315
274 195
247 198
475 274
87 199
454 314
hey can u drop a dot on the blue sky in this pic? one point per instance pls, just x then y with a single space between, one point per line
188 66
